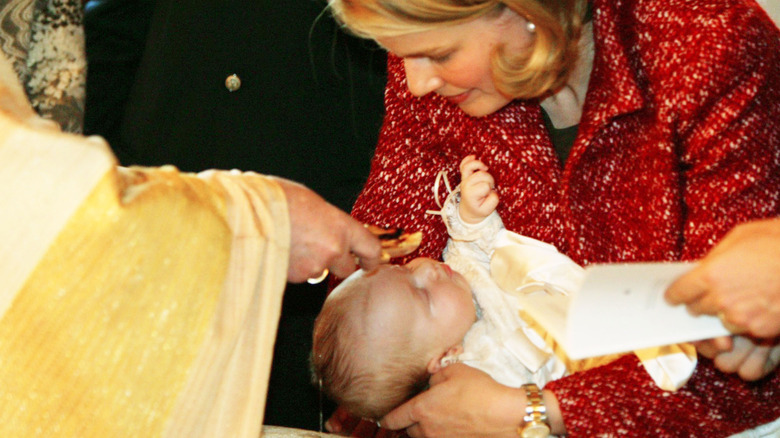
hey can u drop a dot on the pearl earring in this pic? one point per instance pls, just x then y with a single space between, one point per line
530 26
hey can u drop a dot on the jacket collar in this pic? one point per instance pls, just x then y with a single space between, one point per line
613 88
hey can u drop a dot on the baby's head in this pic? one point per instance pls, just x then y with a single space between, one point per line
381 333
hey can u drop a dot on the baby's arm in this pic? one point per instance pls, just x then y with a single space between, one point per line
478 193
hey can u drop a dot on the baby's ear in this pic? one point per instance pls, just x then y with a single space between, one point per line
449 357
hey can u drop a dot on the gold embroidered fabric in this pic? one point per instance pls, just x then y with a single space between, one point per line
137 302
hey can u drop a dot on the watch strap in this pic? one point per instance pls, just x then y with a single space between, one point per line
535 424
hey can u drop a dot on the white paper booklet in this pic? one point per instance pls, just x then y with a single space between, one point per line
620 308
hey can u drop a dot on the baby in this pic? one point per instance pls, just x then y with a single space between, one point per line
381 334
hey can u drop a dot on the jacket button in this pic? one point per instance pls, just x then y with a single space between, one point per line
233 83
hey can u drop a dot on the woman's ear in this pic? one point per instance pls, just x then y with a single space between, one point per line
446 358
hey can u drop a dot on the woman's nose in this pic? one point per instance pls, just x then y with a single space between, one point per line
421 77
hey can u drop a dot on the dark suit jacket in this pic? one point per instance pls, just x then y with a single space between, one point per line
309 106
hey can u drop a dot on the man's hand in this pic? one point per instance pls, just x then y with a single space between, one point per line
324 237
750 359
739 280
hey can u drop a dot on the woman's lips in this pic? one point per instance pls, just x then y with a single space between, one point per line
458 98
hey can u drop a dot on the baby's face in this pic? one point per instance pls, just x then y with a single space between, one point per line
424 298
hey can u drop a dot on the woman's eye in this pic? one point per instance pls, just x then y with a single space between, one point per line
440 59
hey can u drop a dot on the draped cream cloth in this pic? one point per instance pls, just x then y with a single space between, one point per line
134 302
515 350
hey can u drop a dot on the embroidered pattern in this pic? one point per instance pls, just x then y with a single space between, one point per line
44 39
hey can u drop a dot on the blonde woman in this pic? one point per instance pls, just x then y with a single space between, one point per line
638 130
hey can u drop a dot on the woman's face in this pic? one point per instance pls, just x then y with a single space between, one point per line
425 299
455 61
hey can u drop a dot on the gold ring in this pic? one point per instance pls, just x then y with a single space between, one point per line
318 279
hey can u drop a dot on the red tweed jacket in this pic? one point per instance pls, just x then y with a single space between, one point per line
679 141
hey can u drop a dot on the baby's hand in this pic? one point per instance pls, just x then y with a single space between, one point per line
477 190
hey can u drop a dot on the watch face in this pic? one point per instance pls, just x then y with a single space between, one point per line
535 430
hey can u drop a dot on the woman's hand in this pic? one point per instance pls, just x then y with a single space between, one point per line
750 359
461 402
739 280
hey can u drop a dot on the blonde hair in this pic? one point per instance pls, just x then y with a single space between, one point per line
539 71
367 377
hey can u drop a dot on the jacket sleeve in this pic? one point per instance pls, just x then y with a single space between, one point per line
620 399
729 103
399 188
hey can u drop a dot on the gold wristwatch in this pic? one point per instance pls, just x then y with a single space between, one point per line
535 423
